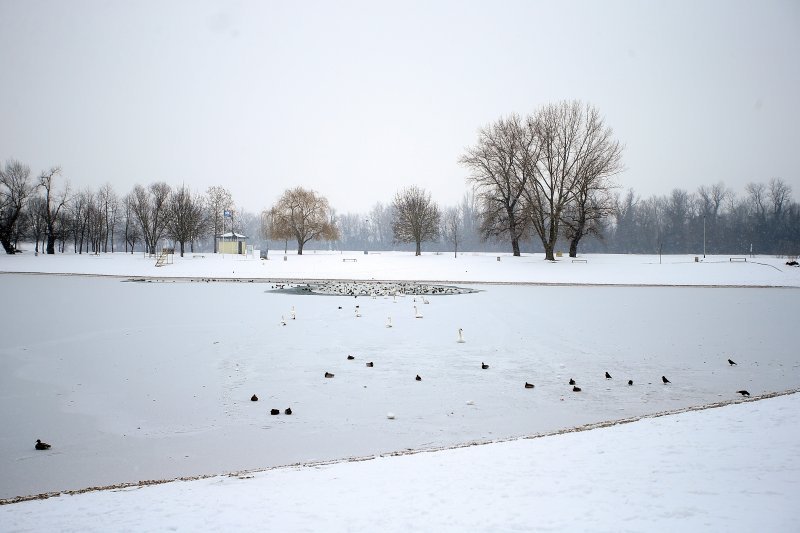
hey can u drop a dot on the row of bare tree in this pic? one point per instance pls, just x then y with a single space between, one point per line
94 221
764 219
546 177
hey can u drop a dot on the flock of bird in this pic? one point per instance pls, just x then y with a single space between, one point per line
375 289
287 411
460 339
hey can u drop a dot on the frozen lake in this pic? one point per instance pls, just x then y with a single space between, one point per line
133 381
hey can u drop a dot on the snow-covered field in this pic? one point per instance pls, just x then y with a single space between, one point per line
469 267
152 380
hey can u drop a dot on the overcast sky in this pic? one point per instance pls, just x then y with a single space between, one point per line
358 99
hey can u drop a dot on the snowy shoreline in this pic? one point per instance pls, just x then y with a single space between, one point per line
726 469
468 268
184 279
310 464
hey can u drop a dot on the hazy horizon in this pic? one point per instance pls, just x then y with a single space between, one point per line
356 100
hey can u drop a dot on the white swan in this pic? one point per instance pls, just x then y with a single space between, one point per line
358 314
425 300
417 314
388 322
283 321
294 315
460 335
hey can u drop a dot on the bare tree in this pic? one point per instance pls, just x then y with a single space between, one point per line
131 232
54 202
35 220
780 195
711 198
77 207
757 193
96 223
572 151
15 187
113 215
586 215
304 215
416 217
218 200
598 160
185 216
379 227
108 203
149 207
498 179
625 234
453 226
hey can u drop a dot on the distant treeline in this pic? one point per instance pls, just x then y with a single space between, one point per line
763 218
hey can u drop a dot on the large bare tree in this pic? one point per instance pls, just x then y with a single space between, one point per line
186 216
499 180
15 187
591 199
571 150
416 217
304 215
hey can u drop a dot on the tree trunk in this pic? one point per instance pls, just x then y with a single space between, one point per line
573 247
419 248
299 248
181 248
548 252
7 246
512 230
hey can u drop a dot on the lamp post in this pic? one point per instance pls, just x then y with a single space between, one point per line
704 236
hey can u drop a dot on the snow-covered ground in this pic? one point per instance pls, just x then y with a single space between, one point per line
736 468
152 380
469 267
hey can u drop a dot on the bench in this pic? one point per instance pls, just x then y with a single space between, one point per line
738 259
351 260
196 256
579 260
